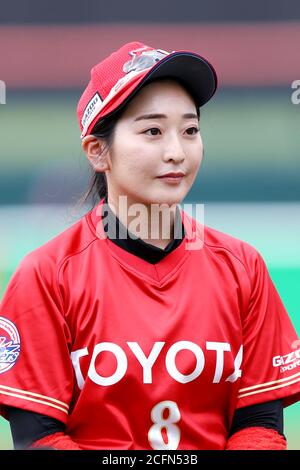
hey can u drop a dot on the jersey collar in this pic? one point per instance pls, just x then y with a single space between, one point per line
162 270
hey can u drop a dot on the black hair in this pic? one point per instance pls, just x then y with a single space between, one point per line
104 129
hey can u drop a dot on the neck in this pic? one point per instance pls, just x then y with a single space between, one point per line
153 223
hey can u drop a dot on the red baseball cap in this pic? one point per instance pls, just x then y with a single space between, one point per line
116 79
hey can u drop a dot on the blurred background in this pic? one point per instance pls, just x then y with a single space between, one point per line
250 176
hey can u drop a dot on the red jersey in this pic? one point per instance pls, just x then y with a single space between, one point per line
134 355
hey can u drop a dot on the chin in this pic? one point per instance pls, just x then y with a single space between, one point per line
156 195
168 199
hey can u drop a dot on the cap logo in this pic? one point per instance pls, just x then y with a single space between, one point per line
143 59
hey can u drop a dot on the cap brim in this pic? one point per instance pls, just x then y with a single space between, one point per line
192 70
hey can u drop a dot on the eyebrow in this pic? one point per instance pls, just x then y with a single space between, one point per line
163 116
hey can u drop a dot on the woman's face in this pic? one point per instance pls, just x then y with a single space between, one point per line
158 133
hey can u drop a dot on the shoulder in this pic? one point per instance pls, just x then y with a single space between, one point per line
240 256
36 278
217 241
52 254
223 249
222 246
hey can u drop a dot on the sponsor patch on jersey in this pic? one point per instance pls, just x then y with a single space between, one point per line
9 344
288 361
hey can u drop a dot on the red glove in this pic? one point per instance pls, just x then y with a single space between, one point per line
256 438
58 441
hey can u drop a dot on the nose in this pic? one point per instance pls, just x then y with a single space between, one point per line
173 149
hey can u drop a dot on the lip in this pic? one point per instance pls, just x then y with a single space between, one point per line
172 175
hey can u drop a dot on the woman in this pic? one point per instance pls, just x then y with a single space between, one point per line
138 327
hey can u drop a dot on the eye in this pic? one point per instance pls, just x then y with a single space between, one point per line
153 131
193 129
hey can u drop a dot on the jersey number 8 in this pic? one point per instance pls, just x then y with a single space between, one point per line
155 436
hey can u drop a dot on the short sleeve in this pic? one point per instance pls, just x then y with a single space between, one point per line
271 348
35 368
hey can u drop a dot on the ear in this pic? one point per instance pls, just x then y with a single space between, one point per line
94 149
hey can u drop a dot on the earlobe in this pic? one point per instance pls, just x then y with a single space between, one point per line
100 164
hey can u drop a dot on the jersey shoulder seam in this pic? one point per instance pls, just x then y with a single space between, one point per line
64 260
234 255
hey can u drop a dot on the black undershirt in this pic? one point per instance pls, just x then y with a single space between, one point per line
27 426
119 234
